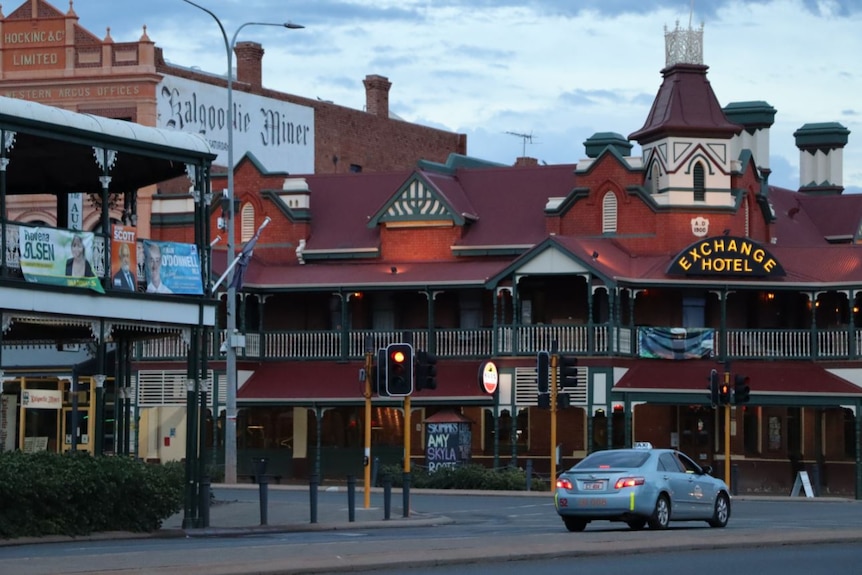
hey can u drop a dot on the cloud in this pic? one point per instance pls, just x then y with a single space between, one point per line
558 70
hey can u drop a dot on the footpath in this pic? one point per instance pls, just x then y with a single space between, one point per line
130 553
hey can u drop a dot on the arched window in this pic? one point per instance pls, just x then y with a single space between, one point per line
654 174
247 223
699 183
609 213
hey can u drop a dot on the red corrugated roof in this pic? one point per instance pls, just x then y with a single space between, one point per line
306 382
768 378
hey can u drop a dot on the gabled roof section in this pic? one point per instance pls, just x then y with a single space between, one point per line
804 220
419 200
685 106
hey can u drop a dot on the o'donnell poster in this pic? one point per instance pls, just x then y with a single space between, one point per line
58 257
172 268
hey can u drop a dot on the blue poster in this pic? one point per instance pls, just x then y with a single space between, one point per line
172 267
676 342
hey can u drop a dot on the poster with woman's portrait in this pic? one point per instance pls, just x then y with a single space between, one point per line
58 257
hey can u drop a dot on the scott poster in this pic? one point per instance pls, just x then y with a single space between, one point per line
58 257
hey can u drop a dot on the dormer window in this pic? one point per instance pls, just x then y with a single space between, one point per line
699 183
609 213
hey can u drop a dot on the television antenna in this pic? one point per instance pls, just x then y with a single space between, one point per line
524 139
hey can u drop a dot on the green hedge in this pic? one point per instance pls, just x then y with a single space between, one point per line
468 476
76 494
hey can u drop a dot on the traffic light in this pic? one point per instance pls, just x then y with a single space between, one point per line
543 370
399 369
426 370
724 393
568 371
544 401
713 388
741 389
564 400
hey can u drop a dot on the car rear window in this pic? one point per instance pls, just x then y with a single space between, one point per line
613 460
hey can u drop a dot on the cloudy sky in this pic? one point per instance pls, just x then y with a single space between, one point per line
556 71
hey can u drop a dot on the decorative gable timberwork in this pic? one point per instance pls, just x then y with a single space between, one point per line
417 203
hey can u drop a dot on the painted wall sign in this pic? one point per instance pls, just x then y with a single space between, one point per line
279 134
33 44
726 256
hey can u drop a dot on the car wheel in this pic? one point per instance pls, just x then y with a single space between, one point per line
721 513
636 524
661 514
574 525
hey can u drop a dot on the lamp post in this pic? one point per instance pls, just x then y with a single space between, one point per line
232 340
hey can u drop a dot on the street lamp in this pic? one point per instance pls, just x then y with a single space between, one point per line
232 339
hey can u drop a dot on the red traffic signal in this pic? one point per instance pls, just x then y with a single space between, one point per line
714 398
399 369
724 394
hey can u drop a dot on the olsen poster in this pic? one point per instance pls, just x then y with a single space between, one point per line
58 257
172 268
124 258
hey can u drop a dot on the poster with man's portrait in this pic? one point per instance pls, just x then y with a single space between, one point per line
172 268
124 258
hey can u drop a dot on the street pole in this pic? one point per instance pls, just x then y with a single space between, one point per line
369 367
232 340
727 431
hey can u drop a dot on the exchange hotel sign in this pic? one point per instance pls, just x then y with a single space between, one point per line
279 134
726 256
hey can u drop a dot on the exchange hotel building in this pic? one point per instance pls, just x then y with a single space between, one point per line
653 270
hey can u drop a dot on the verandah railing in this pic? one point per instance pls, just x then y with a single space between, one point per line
517 341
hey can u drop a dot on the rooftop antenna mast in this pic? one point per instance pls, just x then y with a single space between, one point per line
524 139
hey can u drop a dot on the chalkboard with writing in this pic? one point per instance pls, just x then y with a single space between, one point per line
447 444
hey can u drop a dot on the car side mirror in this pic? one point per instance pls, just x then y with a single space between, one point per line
707 469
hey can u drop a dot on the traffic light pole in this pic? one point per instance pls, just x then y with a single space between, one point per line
727 432
369 367
554 361
407 456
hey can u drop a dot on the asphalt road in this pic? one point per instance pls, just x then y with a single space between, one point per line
446 529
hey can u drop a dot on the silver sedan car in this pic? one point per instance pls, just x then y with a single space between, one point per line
640 486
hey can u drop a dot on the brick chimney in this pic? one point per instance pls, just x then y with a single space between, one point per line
377 95
249 59
525 162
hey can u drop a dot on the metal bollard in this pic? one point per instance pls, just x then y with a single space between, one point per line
405 495
351 498
205 501
263 487
734 479
375 468
312 495
529 474
387 497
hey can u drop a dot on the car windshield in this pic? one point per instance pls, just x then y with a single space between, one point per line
612 460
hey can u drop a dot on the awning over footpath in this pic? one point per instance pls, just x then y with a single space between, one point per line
790 379
328 383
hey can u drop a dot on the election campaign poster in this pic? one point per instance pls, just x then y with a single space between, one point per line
58 257
172 268
124 258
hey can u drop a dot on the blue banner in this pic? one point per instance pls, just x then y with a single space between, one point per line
676 342
172 268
